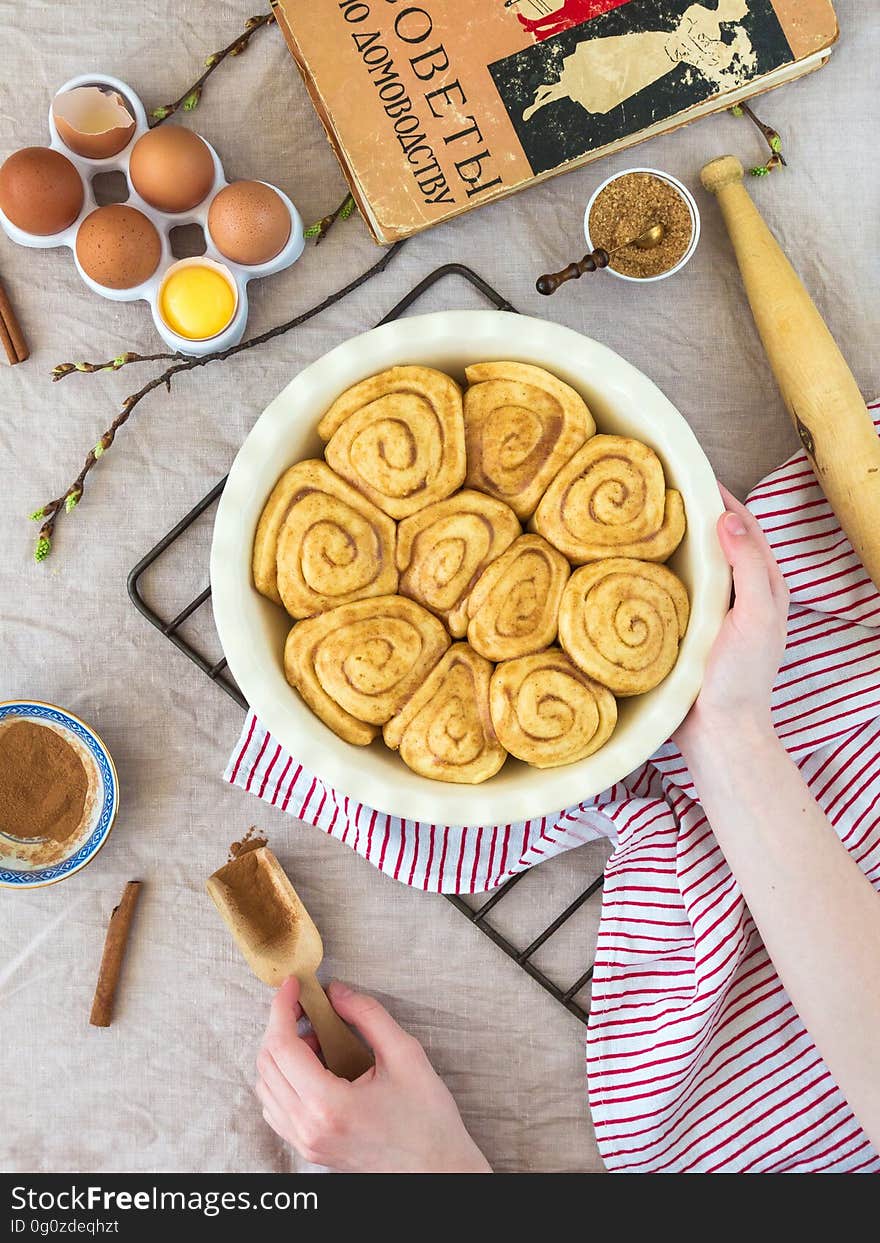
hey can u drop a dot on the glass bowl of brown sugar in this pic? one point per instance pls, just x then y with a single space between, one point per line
628 204
59 792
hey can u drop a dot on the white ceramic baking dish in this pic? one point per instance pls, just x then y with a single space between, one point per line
252 629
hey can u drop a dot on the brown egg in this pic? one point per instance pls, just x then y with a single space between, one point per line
40 190
94 123
249 222
118 247
171 168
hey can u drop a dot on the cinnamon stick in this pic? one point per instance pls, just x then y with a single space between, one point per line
10 331
114 952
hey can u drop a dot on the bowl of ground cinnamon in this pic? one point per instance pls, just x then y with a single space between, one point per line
58 794
625 206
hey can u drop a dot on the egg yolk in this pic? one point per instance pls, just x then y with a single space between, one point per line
197 302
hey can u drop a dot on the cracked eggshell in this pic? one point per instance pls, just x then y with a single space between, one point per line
93 121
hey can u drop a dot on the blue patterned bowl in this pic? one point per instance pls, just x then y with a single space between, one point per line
24 866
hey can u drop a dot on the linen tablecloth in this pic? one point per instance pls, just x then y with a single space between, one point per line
168 1087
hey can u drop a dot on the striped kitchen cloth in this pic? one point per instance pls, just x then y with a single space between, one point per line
696 1058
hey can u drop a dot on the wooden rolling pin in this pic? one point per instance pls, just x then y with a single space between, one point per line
819 390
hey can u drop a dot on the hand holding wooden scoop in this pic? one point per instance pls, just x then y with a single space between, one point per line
278 938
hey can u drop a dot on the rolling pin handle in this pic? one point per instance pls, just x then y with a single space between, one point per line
721 173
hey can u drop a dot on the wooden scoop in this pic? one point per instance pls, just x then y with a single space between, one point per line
278 938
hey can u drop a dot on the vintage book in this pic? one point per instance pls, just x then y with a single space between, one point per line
437 106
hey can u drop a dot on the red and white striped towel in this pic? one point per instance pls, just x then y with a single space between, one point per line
696 1058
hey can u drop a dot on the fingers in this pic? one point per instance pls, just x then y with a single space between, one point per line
386 1038
751 579
759 586
285 1095
274 1115
778 584
295 1057
286 1010
312 1041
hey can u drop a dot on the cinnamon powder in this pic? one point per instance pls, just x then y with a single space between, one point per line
252 840
252 890
43 783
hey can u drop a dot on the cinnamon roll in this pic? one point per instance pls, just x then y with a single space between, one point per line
547 712
513 608
445 731
611 500
522 425
621 622
398 437
320 543
357 665
443 549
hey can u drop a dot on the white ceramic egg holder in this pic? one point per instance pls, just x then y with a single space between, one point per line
148 291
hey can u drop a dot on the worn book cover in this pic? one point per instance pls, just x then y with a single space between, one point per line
439 106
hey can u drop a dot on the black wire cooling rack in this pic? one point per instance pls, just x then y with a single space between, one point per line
175 630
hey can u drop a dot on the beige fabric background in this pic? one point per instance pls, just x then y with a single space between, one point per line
168 1086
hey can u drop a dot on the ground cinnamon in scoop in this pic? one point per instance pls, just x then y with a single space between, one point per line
43 783
252 891
252 840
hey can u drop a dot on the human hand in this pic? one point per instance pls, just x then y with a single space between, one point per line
748 651
397 1118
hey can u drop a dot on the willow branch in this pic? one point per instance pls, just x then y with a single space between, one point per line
320 230
772 138
189 100
112 364
49 513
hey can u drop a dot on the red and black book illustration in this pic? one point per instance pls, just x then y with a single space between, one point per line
543 18
634 64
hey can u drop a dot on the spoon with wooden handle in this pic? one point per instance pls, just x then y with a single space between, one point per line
598 258
820 392
278 938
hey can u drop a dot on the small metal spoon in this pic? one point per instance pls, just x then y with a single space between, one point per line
598 258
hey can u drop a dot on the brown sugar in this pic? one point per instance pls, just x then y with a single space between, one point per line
43 783
628 207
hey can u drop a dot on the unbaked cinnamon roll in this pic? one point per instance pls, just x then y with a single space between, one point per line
513 608
442 550
320 543
547 712
399 438
611 500
357 665
621 622
522 425
445 731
